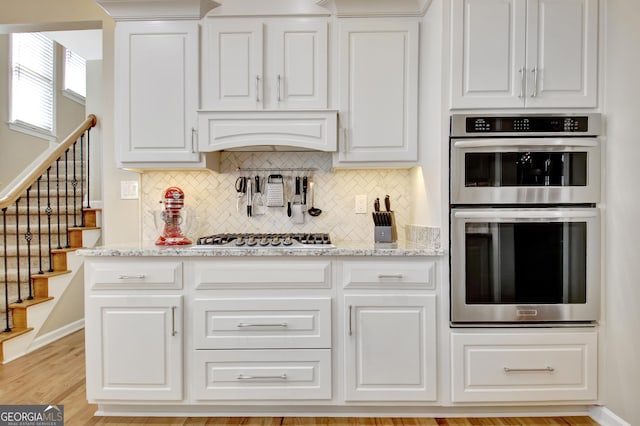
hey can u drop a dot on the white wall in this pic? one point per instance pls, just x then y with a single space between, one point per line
622 284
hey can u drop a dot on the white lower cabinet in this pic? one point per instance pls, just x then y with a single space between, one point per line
262 374
134 347
390 347
524 366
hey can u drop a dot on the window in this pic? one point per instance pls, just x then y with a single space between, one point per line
75 76
32 82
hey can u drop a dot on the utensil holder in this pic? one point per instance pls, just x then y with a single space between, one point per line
386 233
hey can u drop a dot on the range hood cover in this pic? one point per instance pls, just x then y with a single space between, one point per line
308 130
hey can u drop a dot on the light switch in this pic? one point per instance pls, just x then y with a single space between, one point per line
128 190
361 204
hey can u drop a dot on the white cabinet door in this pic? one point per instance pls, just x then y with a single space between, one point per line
254 64
488 55
156 91
134 350
524 53
378 91
297 55
390 343
562 50
233 73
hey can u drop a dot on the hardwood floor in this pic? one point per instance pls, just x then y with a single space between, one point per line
55 374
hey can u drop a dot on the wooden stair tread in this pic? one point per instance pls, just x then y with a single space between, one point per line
49 274
26 303
82 228
63 250
8 335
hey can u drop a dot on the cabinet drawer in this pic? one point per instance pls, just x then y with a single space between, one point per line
524 366
146 275
267 274
262 323
395 274
262 374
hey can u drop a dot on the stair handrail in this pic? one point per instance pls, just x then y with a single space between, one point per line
30 178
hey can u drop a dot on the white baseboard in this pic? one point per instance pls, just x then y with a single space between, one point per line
606 417
54 335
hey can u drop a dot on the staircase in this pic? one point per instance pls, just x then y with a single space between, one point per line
45 218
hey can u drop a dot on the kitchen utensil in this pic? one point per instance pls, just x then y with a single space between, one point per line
249 197
258 204
297 211
241 188
305 184
376 205
387 203
313 211
275 191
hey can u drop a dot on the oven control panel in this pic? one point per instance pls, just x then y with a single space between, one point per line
468 125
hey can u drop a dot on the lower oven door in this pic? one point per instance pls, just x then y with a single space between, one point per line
525 265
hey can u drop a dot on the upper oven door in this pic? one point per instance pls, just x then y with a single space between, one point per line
525 171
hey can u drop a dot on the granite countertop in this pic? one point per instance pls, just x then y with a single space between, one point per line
347 248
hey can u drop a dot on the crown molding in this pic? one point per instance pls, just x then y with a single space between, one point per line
147 10
375 8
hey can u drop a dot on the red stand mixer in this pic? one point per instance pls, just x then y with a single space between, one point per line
173 200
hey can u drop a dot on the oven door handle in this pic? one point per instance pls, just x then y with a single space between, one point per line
551 142
543 213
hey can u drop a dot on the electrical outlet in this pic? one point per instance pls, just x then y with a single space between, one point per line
128 190
361 204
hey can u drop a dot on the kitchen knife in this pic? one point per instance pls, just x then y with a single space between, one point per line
305 182
387 203
376 205
249 196
296 197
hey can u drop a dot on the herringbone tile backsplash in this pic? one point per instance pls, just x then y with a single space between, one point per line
210 197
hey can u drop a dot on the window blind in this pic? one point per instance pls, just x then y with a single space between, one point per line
32 83
75 73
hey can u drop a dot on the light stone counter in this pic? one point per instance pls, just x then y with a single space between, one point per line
340 249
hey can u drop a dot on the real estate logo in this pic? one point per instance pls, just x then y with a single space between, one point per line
31 415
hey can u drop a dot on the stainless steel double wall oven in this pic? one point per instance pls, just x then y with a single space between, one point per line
525 227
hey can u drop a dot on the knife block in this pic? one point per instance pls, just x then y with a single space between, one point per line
386 234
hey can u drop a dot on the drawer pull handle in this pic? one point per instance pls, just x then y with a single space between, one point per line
248 324
528 370
248 377
390 276
131 277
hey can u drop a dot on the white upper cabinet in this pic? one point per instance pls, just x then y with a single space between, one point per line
524 53
252 63
156 92
378 90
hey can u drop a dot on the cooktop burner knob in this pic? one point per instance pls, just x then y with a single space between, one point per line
287 241
264 241
252 241
240 241
275 241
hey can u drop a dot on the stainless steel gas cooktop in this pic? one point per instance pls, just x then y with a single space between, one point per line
297 240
